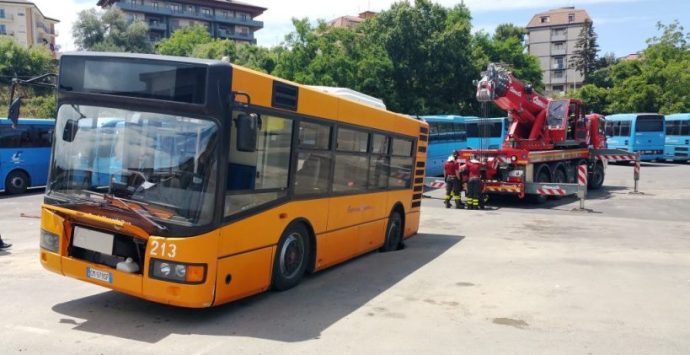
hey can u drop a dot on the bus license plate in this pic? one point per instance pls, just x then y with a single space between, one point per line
99 275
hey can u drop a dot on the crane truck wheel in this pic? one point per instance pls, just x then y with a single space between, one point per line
596 177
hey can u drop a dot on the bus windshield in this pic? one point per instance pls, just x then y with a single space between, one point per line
164 165
649 124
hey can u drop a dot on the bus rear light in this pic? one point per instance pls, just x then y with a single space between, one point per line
49 241
177 272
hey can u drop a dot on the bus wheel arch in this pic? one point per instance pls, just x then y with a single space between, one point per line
311 234
17 181
395 229
292 256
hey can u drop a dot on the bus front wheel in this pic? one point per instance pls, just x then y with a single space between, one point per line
291 257
17 182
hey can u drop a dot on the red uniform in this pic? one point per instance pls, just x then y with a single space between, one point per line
474 169
474 184
451 168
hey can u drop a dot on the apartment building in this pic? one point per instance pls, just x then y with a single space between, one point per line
224 19
553 36
24 21
351 21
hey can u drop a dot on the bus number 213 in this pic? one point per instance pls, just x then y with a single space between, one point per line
166 250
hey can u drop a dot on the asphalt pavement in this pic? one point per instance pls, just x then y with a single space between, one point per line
514 279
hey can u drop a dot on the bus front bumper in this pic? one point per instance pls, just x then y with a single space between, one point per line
138 285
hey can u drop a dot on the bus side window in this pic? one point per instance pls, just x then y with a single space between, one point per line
625 129
259 177
684 128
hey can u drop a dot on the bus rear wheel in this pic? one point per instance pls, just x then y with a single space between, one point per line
394 231
17 182
291 257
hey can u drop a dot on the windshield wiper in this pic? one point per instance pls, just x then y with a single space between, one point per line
138 212
107 199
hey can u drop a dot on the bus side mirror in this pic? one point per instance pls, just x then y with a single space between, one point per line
247 128
13 111
70 131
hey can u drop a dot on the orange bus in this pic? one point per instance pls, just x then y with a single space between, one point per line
195 183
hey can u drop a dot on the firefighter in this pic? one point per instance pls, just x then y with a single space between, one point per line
474 184
451 174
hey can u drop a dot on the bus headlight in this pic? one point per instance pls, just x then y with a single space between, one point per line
177 272
49 241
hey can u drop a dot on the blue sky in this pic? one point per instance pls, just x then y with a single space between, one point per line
622 25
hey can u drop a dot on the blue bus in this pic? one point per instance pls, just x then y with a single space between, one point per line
486 133
446 134
643 133
24 154
678 137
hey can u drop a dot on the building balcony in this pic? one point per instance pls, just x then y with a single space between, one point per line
157 26
167 11
557 79
225 34
158 10
558 51
238 21
558 37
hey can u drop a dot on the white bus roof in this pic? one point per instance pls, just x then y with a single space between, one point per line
352 95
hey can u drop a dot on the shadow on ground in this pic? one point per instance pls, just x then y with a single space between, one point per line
295 315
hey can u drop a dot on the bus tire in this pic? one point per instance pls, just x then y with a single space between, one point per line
16 182
394 233
292 257
595 180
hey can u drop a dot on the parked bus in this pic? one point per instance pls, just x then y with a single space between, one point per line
222 182
447 133
642 133
486 133
24 154
677 137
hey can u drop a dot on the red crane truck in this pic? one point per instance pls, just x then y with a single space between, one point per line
547 139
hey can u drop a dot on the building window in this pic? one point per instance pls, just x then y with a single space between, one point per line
559 62
155 5
206 12
2 13
571 17
558 46
558 32
175 8
557 88
3 30
558 74
545 19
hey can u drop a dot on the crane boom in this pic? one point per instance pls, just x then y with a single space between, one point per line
537 122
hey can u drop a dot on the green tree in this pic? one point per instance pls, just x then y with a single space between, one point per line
248 55
18 61
507 46
183 41
584 59
595 98
109 31
431 68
